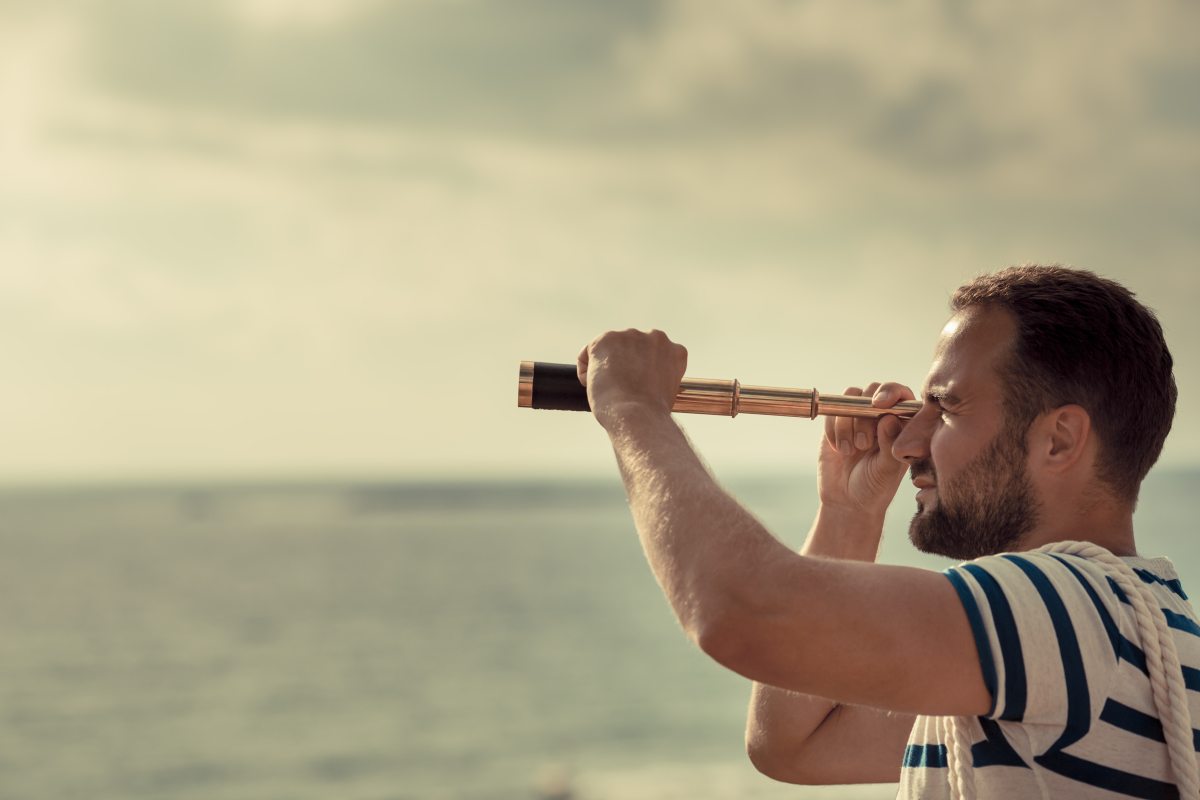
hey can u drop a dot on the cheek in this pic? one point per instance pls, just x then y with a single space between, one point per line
946 450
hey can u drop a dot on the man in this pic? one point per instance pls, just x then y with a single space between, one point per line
1049 398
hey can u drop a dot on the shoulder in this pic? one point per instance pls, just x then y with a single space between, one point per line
1067 599
1043 622
1052 580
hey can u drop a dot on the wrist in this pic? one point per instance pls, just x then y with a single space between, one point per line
624 413
850 512
845 532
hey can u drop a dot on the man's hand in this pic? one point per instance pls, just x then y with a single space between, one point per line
628 370
856 473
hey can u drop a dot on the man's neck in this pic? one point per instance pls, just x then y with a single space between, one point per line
1103 521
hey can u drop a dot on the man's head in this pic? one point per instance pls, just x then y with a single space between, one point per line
1029 345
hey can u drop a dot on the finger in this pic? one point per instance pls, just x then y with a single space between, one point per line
889 429
669 357
676 353
844 427
681 354
864 428
888 394
581 363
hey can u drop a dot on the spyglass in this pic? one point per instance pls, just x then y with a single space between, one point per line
556 387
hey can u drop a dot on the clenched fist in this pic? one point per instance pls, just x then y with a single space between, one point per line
631 371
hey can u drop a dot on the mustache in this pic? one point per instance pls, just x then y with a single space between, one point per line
918 469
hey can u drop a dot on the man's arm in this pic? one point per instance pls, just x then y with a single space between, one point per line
799 738
816 742
889 637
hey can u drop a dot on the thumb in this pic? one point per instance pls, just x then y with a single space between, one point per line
888 431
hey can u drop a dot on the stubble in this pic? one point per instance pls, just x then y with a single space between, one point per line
989 508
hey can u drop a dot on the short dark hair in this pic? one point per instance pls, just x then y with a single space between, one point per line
1085 340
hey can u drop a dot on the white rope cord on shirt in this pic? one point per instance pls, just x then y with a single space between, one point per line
962 771
1162 662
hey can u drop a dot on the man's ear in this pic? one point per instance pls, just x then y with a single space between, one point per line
1065 434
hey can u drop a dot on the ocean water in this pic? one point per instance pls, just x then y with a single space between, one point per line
416 641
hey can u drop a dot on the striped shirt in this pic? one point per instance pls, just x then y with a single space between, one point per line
1072 713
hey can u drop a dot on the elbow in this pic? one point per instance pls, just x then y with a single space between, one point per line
739 641
763 757
723 640
785 765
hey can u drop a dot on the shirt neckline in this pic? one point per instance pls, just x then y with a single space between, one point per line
1160 565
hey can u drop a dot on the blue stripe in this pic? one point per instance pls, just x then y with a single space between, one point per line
1191 678
981 638
1129 719
925 755
1079 707
1149 577
1134 655
1117 590
995 751
1177 621
1114 780
1010 644
1110 627
1181 623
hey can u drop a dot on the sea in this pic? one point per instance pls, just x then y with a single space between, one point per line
499 640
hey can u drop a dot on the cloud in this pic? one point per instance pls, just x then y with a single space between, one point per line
299 13
317 242
931 84
513 65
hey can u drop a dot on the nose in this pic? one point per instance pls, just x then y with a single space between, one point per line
912 444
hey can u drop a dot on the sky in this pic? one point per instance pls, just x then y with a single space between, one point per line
266 239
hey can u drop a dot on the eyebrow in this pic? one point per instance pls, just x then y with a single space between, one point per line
942 396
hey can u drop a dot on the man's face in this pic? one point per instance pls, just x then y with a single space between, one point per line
975 497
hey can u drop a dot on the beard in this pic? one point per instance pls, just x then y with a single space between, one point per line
989 508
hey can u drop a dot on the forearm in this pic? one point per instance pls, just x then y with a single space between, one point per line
781 723
708 553
778 727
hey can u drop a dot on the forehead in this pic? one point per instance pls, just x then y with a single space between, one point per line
974 342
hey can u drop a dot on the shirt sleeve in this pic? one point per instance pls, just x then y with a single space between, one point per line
1046 631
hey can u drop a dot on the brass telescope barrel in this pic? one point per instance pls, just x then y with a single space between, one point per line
557 387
